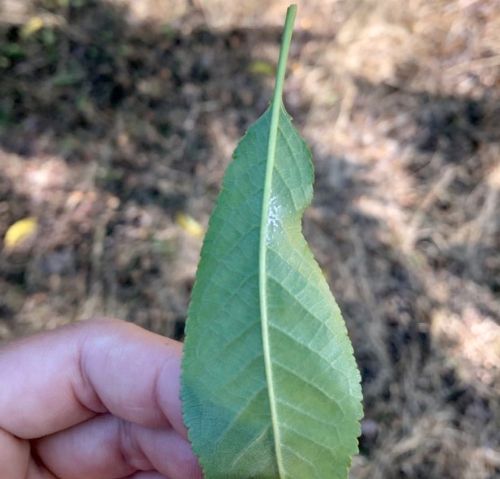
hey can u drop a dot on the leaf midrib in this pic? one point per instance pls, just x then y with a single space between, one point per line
276 106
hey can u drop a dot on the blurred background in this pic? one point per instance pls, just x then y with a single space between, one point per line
118 118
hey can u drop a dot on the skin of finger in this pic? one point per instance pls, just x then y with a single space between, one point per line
106 447
177 460
64 377
36 472
144 370
14 456
146 475
36 374
16 461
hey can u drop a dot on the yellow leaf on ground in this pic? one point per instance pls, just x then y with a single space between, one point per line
32 26
190 225
260 67
19 231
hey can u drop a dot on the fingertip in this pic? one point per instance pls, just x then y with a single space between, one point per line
134 372
168 392
169 453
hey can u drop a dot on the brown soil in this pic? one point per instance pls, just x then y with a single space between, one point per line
118 118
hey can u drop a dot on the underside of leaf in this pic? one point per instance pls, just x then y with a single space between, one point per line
270 387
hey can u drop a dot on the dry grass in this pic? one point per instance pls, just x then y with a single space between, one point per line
400 102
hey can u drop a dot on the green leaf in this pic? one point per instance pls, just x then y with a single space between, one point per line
270 387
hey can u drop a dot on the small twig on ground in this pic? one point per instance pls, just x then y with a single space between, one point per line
418 217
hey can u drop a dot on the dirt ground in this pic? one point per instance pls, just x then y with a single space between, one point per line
118 118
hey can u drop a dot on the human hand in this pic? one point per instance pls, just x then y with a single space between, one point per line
93 400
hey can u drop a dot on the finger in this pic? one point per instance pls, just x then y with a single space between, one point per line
14 456
16 460
105 447
61 378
